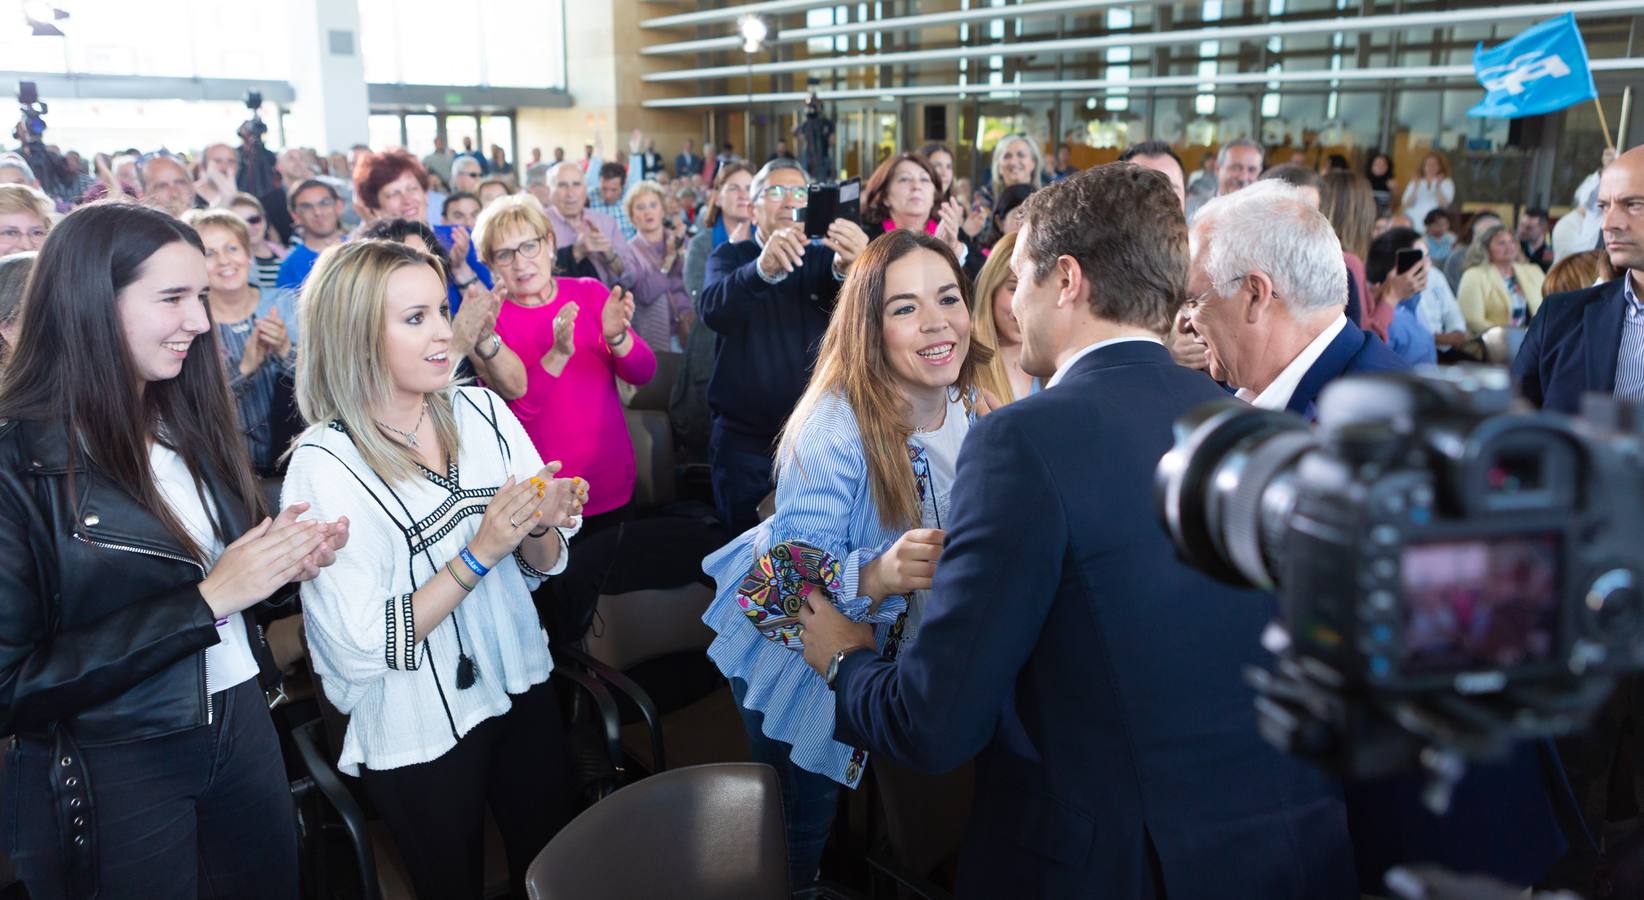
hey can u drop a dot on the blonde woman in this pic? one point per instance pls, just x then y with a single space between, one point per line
1016 160
1501 290
256 331
995 326
423 632
864 470
662 308
25 217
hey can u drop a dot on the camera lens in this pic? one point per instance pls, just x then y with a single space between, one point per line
1224 490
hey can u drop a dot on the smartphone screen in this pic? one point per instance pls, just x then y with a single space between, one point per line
1406 260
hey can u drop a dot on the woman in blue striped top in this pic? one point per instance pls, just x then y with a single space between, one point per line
864 470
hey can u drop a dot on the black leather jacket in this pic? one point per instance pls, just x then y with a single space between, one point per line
102 626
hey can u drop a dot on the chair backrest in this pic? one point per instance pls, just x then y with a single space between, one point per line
1501 343
648 624
706 832
653 440
656 393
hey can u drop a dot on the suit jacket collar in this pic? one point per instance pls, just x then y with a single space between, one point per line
1602 319
1121 354
1337 355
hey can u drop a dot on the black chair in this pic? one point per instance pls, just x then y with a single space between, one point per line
377 866
706 832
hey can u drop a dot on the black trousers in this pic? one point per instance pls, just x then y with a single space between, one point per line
514 763
202 813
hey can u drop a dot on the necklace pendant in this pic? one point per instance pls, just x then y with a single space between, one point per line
411 438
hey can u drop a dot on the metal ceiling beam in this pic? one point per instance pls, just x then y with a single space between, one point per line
1286 29
1331 76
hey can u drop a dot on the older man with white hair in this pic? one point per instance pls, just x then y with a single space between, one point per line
1267 298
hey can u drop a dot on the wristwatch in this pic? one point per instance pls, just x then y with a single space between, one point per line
833 666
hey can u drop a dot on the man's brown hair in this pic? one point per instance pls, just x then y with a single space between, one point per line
1124 226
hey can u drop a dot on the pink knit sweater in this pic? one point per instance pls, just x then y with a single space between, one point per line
576 418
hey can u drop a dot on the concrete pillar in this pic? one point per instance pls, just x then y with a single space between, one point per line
332 105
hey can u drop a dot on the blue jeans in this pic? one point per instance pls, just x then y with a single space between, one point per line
741 471
205 812
808 799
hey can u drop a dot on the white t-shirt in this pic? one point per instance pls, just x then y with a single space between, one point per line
942 452
229 661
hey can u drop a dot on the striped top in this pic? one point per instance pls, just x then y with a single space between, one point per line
255 393
265 271
824 501
400 694
1629 365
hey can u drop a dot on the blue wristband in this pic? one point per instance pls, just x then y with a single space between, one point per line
473 563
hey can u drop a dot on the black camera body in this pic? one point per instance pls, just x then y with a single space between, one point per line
1470 571
254 126
34 110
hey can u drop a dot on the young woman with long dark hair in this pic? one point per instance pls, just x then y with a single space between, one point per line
864 470
145 763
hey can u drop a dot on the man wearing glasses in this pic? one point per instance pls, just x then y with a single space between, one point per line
769 299
317 209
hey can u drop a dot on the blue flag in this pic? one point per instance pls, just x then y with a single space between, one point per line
1540 71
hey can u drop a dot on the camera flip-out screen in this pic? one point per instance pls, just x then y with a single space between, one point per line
1481 604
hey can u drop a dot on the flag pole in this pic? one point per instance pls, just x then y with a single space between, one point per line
1604 124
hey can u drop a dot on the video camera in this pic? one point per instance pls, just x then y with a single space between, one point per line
1453 575
33 126
254 125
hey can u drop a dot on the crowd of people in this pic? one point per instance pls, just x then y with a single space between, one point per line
381 399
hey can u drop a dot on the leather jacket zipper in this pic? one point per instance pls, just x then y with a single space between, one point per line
177 557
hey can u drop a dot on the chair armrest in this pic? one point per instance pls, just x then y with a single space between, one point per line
609 714
630 689
326 778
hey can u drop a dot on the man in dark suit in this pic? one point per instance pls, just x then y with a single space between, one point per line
1592 340
687 163
768 300
1580 342
1099 677
1277 335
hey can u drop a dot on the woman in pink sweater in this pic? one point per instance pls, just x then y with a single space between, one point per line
572 338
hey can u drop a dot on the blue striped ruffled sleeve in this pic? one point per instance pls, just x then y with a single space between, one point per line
820 492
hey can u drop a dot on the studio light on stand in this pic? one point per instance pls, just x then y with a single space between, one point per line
755 31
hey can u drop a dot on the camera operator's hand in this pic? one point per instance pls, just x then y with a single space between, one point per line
909 565
784 252
847 240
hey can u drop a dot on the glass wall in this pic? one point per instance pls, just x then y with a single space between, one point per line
504 43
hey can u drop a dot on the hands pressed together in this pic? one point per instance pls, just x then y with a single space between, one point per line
908 566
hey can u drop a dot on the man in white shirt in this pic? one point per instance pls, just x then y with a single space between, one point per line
1267 297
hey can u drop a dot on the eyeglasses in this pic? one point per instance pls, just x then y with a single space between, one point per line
800 194
15 236
254 220
526 250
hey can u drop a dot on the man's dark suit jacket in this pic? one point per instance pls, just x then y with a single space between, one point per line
1353 351
1571 347
1101 675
